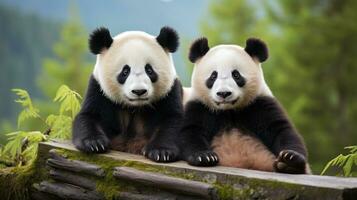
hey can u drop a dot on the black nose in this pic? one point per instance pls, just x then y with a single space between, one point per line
139 92
224 94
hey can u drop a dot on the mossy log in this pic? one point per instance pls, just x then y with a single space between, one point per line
166 182
67 191
128 176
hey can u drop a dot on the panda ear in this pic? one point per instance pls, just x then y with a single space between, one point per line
168 39
99 40
198 49
256 48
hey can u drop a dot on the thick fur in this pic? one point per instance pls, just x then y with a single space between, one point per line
198 49
152 130
135 49
231 116
134 100
168 39
99 40
257 49
264 124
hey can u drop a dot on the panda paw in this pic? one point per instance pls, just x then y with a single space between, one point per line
93 144
162 155
203 158
290 162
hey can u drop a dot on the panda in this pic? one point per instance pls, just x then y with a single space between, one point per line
134 99
231 117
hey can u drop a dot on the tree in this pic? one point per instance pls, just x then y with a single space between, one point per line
70 65
311 68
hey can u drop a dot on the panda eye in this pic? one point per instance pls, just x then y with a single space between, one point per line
235 74
149 69
213 75
126 70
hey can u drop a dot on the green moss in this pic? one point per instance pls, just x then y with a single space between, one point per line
109 185
16 182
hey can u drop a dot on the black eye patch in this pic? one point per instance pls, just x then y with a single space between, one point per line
210 81
238 78
151 73
123 74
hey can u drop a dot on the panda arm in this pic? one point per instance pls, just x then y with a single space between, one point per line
195 135
267 118
270 122
90 130
163 146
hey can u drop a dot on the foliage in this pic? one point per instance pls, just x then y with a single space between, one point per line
25 101
22 146
311 68
25 40
70 64
348 162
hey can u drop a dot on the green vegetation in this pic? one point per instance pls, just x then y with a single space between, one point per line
312 63
348 163
22 146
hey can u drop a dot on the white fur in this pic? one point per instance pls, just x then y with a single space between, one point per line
224 59
136 49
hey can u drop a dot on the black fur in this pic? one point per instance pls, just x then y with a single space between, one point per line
100 39
210 81
198 49
264 118
257 48
123 75
238 78
151 73
168 39
99 121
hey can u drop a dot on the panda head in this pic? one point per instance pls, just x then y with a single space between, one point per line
134 68
228 76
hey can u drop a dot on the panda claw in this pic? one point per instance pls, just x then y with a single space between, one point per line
207 157
157 157
96 147
199 159
91 148
164 158
291 157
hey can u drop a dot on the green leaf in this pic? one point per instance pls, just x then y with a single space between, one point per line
69 100
25 101
61 126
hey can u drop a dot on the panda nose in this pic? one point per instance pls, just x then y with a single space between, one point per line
224 94
139 92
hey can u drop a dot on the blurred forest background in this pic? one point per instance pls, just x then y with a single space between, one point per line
312 67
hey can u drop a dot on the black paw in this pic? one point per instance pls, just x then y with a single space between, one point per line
203 158
93 144
161 154
291 162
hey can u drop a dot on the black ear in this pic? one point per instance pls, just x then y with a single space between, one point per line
256 48
100 39
168 39
198 49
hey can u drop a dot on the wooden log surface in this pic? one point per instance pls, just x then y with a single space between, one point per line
266 184
134 196
67 191
59 162
73 179
166 182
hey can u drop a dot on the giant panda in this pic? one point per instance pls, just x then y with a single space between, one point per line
231 116
134 99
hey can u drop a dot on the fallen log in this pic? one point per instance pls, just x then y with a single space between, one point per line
59 162
67 191
73 179
166 182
